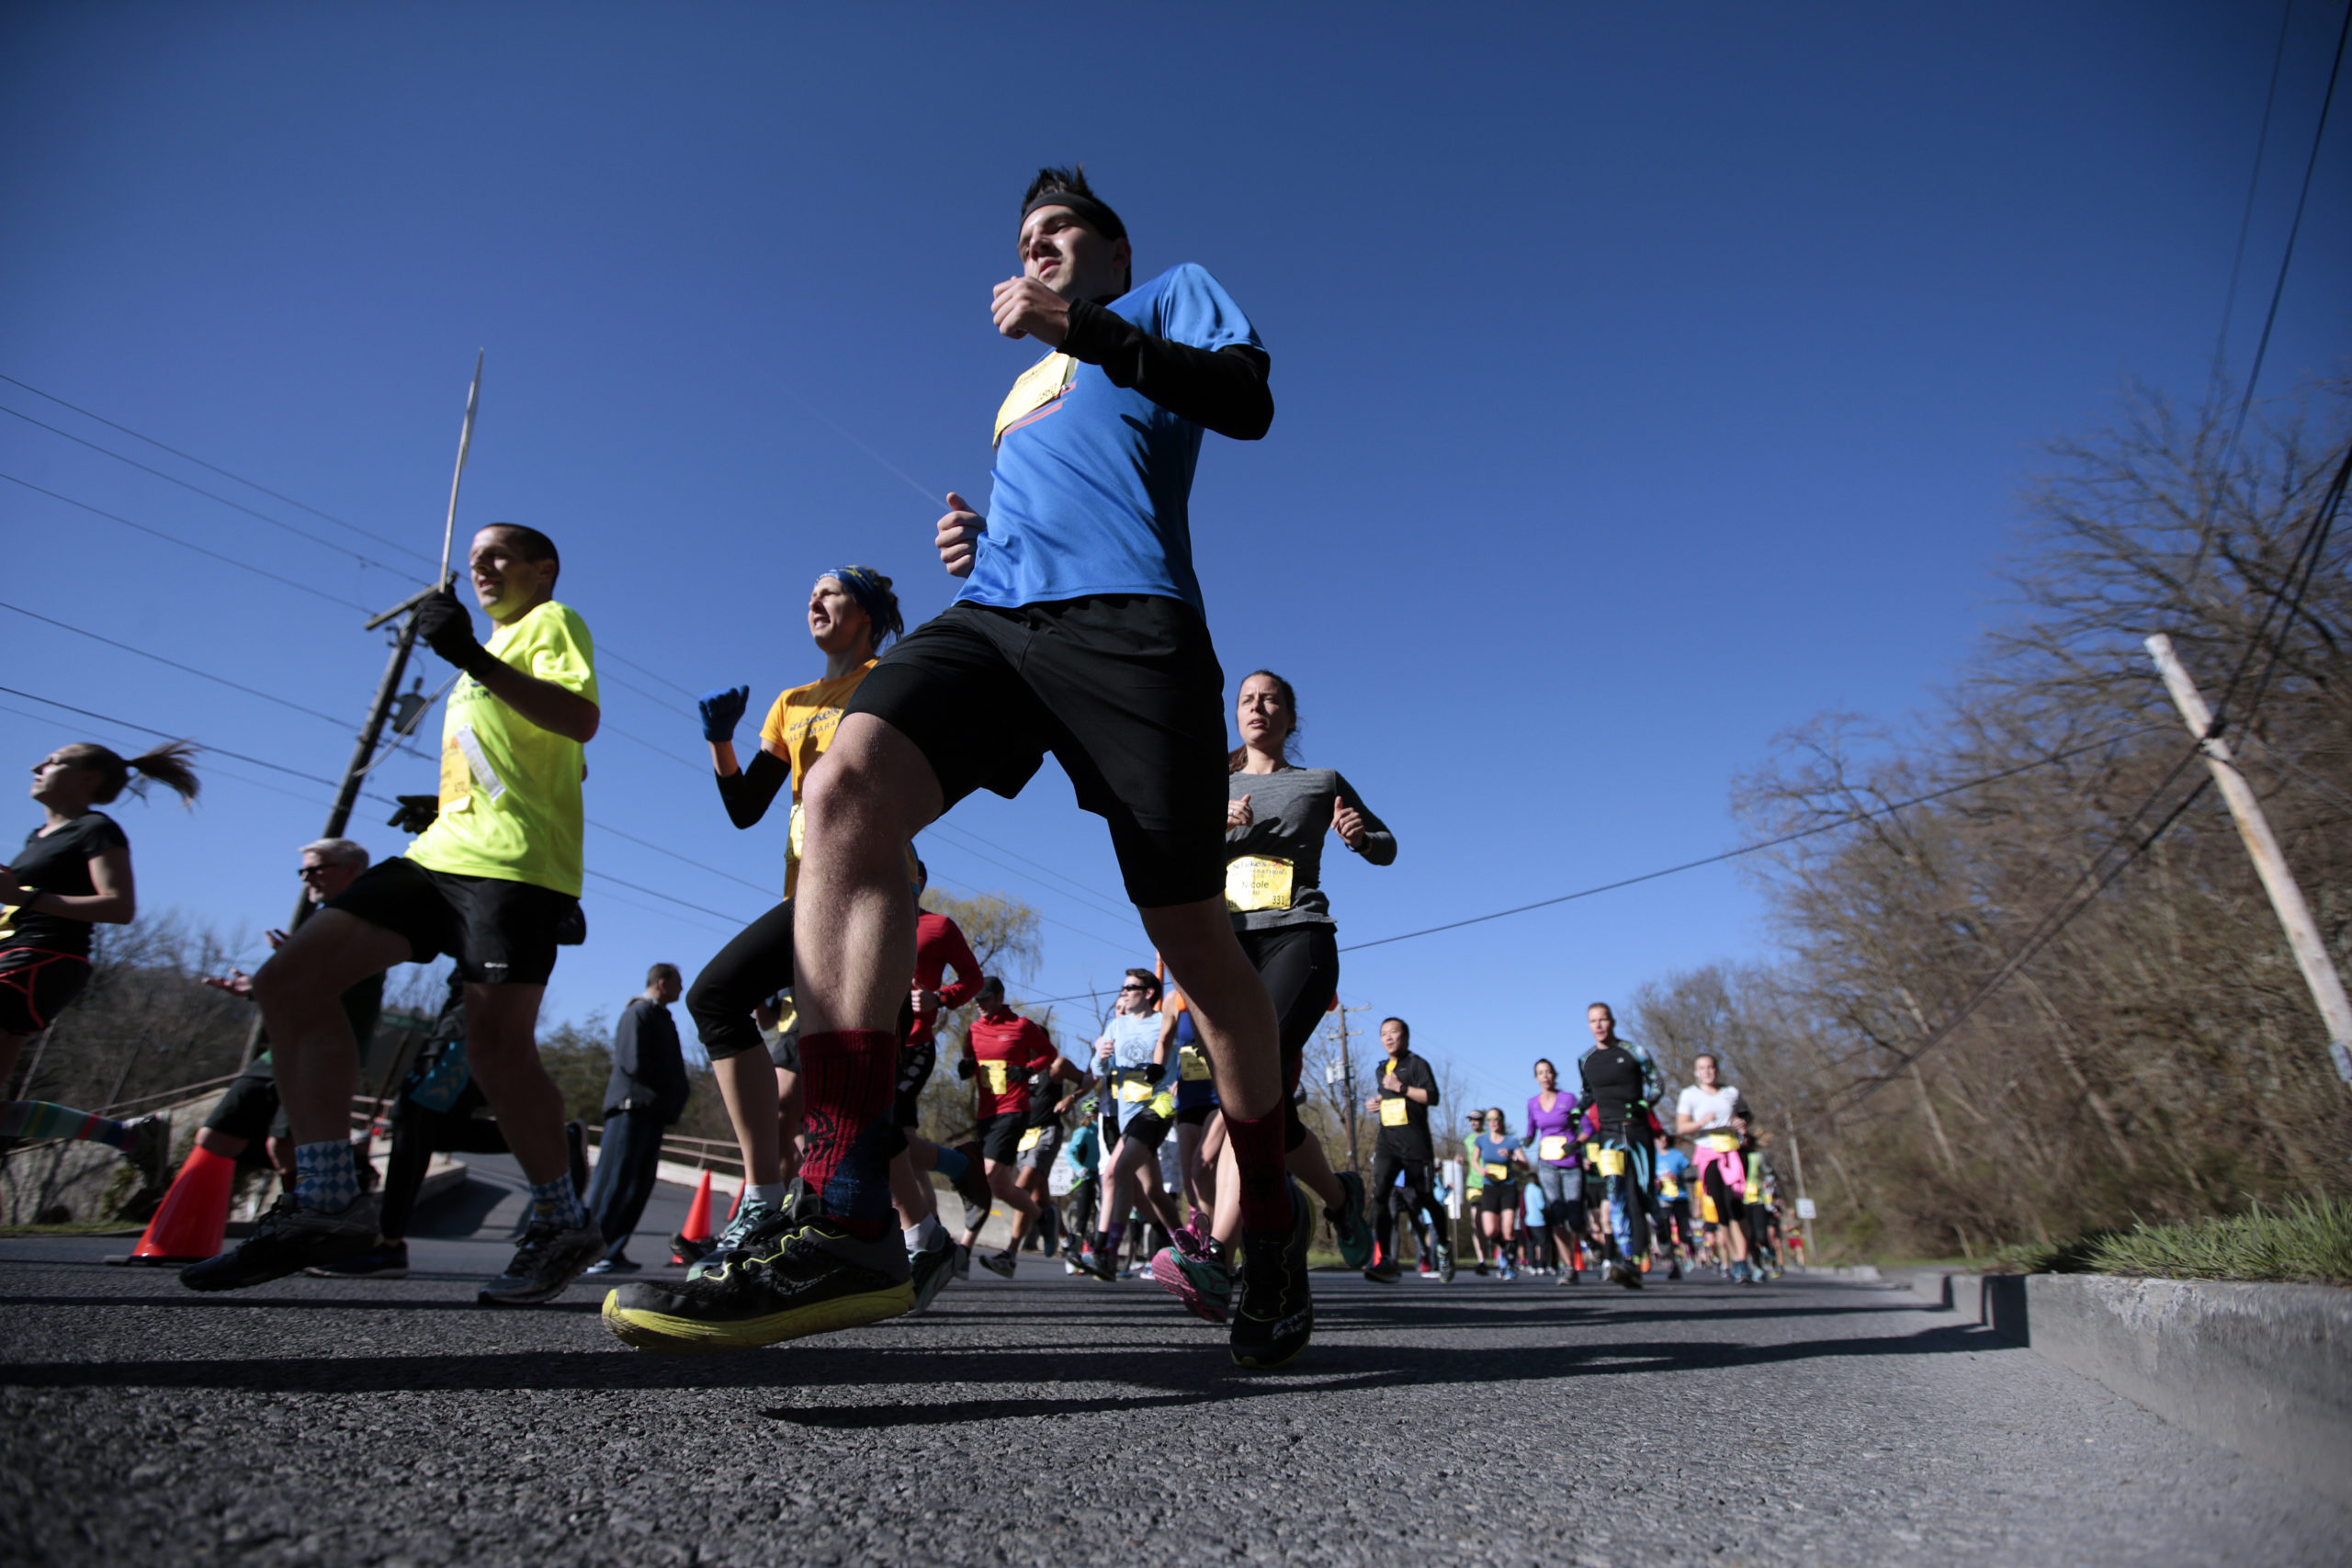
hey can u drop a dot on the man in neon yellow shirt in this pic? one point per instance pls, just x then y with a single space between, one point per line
495 883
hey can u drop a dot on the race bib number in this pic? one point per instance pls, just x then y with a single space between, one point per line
1554 1148
1029 1139
1163 1105
465 768
1135 1091
1192 1066
1039 385
1392 1112
1726 1143
995 1075
1495 1172
1609 1162
1669 1188
1257 881
796 834
1707 1209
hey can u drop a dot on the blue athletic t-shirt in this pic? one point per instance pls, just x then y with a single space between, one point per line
1093 482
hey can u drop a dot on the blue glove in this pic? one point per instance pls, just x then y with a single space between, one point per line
722 709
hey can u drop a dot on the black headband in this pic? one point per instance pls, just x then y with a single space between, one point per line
1096 216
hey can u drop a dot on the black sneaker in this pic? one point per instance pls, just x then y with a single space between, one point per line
1273 1308
1000 1264
550 1259
804 1275
151 1146
288 1239
932 1269
389 1261
1387 1272
1348 1222
1445 1251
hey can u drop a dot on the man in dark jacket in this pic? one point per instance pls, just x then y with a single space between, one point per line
648 1092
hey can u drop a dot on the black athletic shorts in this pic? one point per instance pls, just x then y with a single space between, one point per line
1193 1115
249 1110
499 933
999 1136
35 986
1498 1198
1124 689
1148 1128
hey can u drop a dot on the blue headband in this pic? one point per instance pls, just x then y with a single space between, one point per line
874 596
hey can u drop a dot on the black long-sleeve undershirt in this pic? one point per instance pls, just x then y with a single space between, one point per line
1221 390
748 792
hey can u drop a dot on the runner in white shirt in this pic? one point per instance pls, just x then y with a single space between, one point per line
1704 1112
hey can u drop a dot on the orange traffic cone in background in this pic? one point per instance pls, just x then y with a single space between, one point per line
737 1207
193 1220
693 1240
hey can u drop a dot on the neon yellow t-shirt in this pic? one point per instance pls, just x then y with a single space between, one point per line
510 790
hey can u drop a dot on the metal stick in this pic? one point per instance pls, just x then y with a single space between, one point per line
465 443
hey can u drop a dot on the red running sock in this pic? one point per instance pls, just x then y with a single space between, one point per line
849 1076
1265 1185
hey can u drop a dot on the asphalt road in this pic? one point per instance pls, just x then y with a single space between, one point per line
1057 1421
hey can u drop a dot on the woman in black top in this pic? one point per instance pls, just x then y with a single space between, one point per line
73 873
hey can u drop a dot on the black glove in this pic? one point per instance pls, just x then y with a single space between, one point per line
448 630
415 814
1153 1073
964 1067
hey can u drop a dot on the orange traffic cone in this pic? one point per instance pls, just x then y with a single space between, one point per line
736 1207
693 1240
193 1220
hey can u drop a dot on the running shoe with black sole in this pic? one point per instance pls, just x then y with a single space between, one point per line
151 1146
1000 1264
287 1240
804 1275
1274 1315
1094 1262
1445 1251
389 1261
551 1257
1386 1272
750 1215
1197 1273
1348 1222
932 1270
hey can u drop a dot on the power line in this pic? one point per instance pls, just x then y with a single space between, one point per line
1844 821
2254 180
199 549
199 490
168 735
215 468
175 664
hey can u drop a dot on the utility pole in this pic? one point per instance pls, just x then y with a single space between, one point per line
1348 1072
363 755
2269 862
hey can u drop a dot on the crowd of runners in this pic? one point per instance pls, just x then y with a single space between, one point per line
1081 632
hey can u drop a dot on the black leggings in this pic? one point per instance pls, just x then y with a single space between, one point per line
1413 1200
1300 966
750 969
419 1133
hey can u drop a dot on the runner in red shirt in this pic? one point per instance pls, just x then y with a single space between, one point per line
932 1257
1010 1053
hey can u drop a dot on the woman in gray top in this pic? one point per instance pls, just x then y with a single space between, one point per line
1276 816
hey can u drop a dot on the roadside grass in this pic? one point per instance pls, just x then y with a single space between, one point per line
2310 1240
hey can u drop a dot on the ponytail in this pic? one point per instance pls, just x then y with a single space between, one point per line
167 765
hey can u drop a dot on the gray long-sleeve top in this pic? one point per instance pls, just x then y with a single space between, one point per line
649 1067
1290 813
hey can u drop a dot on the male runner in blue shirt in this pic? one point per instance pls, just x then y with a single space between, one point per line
1080 631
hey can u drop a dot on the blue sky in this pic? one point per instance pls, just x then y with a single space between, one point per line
1649 380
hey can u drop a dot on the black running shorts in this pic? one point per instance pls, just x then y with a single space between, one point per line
1148 1128
35 986
1000 1136
499 933
1498 1198
1124 690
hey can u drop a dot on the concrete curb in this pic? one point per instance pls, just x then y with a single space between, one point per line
2260 1369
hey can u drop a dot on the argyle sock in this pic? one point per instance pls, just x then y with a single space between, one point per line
39 1118
850 1076
325 1178
556 1200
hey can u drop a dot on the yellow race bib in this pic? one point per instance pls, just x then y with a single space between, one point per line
1609 1162
1497 1172
1135 1091
1040 384
1727 1142
1707 1209
995 1074
1554 1148
1163 1105
1192 1065
1257 881
1392 1112
1669 1188
1029 1139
